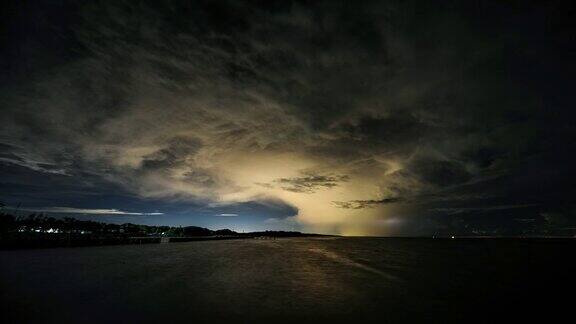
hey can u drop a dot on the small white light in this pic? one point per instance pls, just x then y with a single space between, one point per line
452 236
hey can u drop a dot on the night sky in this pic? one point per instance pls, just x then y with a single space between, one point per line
343 117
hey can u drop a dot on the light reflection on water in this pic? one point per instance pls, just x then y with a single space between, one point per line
289 279
349 262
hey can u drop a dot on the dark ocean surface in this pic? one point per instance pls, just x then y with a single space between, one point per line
293 280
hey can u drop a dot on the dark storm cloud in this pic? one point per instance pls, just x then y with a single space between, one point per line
440 173
398 131
359 204
175 153
400 104
452 211
310 182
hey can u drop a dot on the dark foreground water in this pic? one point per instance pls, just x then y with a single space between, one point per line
292 280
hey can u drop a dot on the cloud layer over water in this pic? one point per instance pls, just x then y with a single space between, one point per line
350 113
